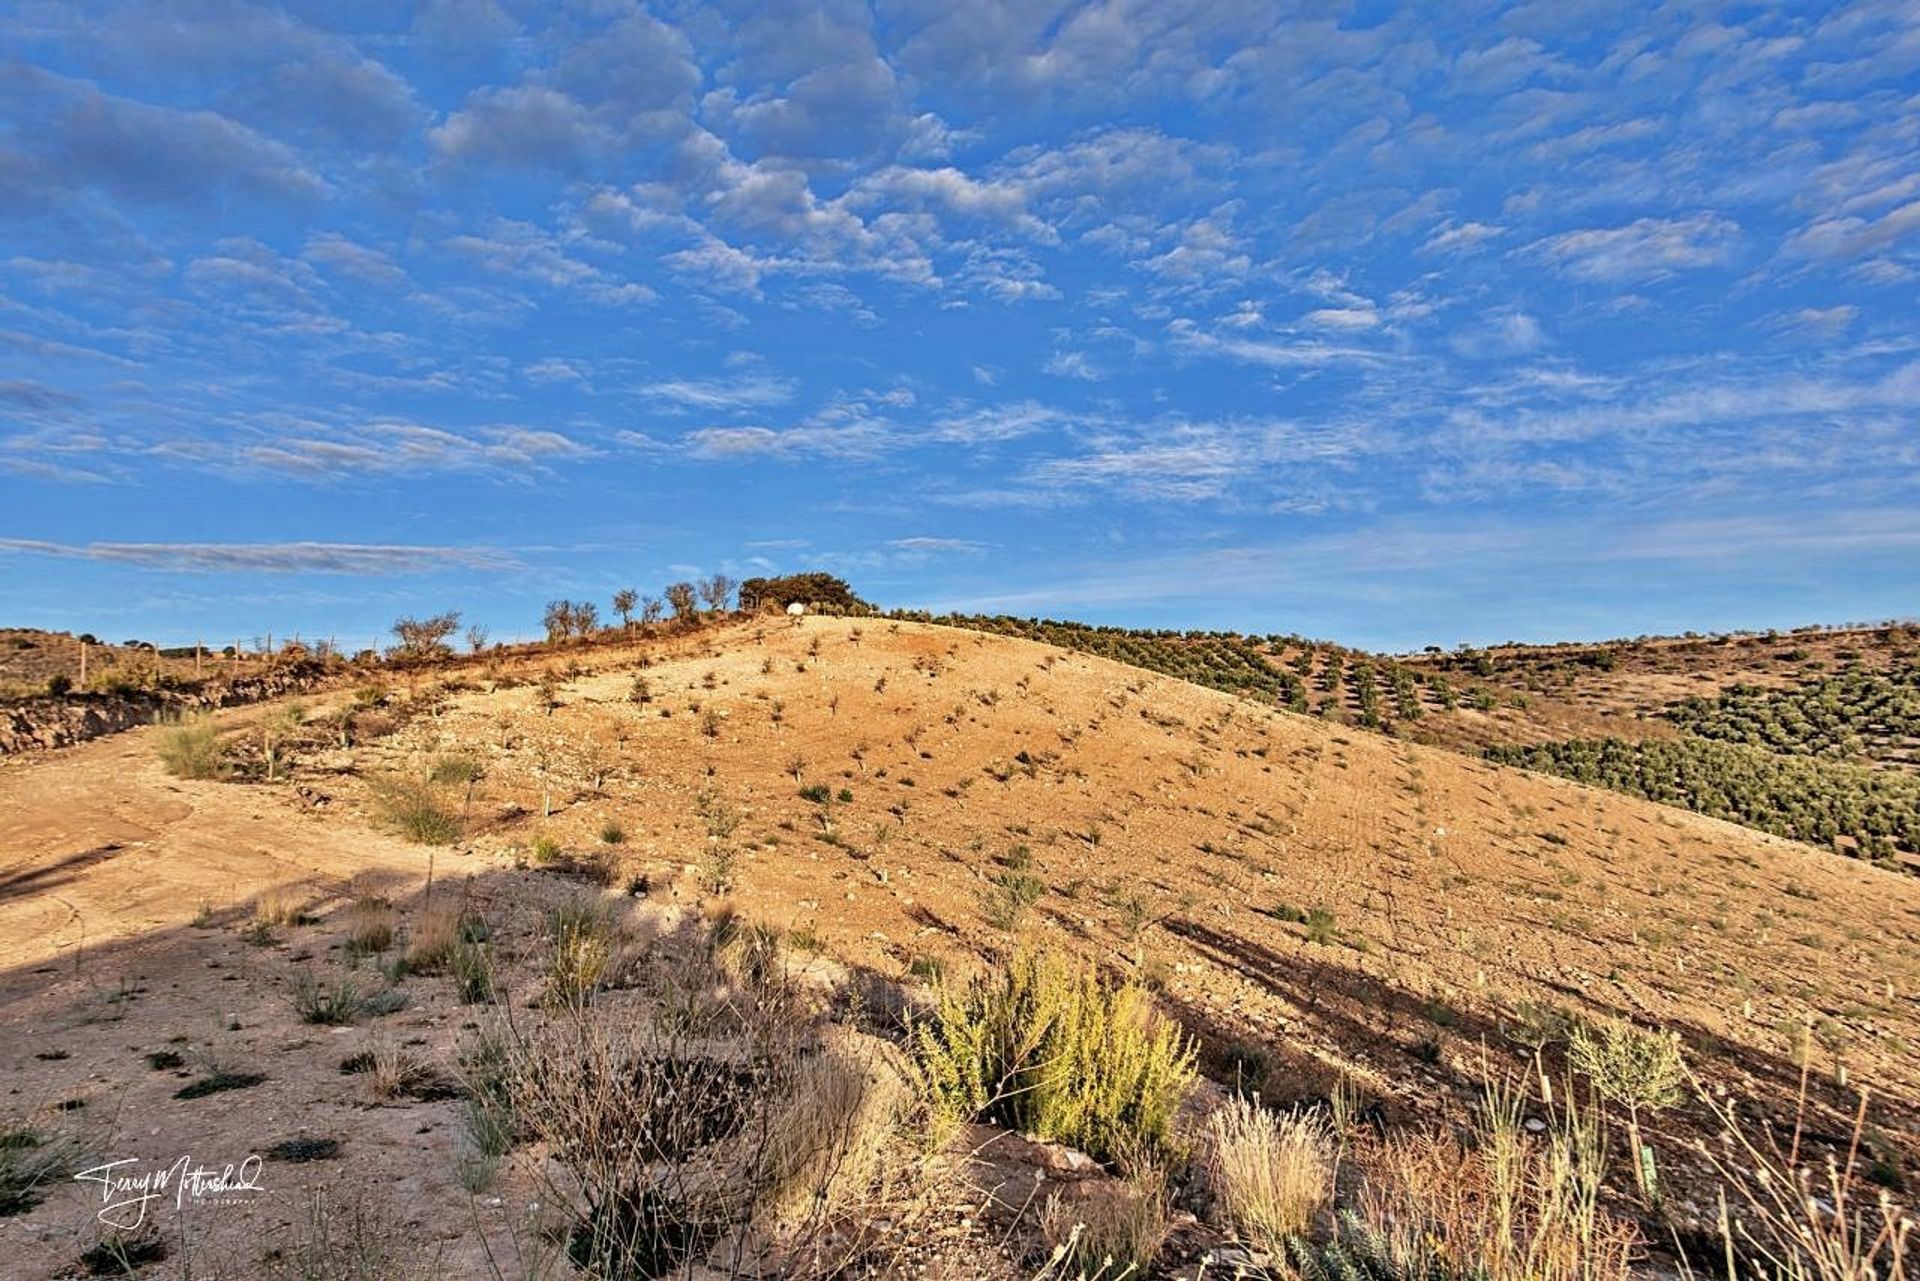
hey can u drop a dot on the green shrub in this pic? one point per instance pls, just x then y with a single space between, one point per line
329 1004
1320 926
1058 1053
455 768
1638 1071
1007 899
190 748
415 808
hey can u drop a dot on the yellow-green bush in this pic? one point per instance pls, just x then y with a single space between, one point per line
190 748
1058 1053
413 806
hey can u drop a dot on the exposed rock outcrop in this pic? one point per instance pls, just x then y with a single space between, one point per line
40 723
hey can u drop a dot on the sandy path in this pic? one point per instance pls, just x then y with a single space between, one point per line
98 843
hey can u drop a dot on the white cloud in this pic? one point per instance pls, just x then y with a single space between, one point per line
1343 318
523 126
1824 322
859 439
1277 353
1449 238
275 558
752 391
928 546
1645 250
346 257
1072 364
990 423
524 251
1501 333
1853 237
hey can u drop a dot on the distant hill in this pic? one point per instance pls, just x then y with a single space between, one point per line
1813 734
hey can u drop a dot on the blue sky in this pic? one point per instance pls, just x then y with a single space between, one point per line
1389 324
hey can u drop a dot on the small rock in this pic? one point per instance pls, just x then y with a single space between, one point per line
1067 1162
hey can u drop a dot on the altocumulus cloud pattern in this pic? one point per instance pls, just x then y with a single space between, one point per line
1339 318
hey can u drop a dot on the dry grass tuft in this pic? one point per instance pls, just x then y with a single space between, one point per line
416 807
1510 1207
731 1130
1115 1235
589 951
441 930
1272 1176
281 905
394 1071
1785 1217
832 1135
33 1164
372 921
432 939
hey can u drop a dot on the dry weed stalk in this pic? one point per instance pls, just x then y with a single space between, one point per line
722 1129
1784 1218
1509 1208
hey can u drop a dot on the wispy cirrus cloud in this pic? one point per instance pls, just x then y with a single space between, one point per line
275 558
1278 352
756 391
1451 238
926 545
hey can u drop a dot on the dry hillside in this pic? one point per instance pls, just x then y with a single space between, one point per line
1314 901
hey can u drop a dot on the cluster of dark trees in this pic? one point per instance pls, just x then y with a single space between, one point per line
814 590
1854 715
1801 797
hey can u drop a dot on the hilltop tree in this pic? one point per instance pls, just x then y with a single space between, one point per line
586 617
476 638
681 597
821 591
558 620
650 609
623 602
425 637
716 591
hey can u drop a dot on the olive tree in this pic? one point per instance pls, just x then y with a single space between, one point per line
623 603
425 637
